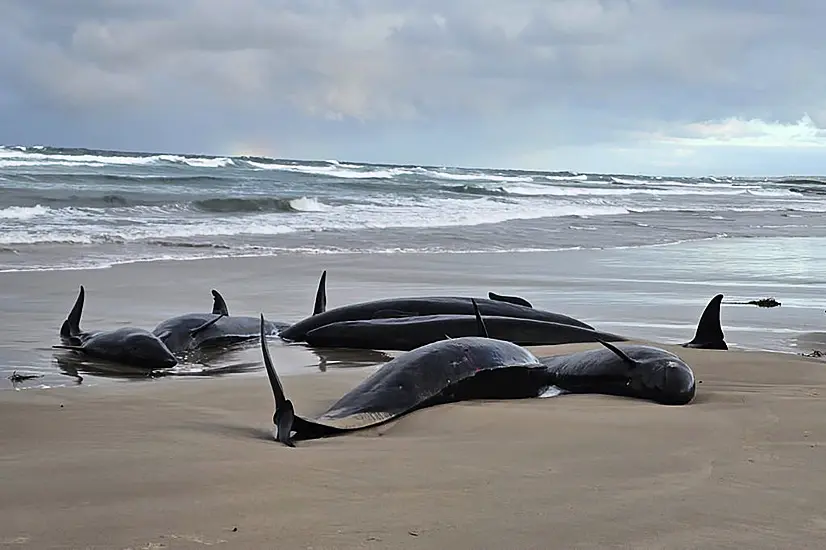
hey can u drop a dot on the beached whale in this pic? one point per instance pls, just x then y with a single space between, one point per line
479 367
408 333
197 331
127 345
421 306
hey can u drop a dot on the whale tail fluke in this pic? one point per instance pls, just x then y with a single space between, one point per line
219 305
517 300
284 411
71 326
321 295
709 334
289 426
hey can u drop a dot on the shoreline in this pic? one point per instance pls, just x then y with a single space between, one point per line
655 294
304 252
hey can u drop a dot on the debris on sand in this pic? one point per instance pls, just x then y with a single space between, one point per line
763 302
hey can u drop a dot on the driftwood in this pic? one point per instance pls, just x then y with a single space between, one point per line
17 377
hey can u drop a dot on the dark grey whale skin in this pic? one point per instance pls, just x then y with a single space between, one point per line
626 370
198 331
131 346
180 333
479 367
408 333
418 306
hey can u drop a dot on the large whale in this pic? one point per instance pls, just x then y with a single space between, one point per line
408 333
474 367
419 306
127 345
197 331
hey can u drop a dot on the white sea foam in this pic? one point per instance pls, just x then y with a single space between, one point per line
334 171
23 212
309 204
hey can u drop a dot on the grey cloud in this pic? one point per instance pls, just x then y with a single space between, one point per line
601 66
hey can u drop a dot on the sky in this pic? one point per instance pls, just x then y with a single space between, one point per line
670 87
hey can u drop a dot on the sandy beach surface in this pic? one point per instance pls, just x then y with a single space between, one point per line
190 464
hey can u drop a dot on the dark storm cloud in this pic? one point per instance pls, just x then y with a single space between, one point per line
326 78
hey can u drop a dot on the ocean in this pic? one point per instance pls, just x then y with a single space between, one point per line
612 249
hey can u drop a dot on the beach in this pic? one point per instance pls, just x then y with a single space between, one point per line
101 458
190 464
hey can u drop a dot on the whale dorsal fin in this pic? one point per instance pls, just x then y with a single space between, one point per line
509 299
709 333
321 295
621 354
205 326
480 323
219 305
71 326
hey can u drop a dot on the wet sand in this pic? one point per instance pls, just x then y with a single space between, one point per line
189 464
655 293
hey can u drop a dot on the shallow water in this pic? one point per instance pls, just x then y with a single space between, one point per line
655 293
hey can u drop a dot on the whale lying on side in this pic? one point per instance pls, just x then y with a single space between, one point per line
407 333
479 367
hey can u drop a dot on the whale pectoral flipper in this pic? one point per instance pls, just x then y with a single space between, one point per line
480 324
66 346
206 325
510 299
621 354
219 305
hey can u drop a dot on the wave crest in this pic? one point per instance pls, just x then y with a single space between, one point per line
262 204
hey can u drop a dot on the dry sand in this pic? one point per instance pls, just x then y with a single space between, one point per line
186 464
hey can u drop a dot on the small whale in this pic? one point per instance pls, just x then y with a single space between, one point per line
127 345
197 331
421 306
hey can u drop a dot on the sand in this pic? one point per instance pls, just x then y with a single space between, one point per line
188 464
